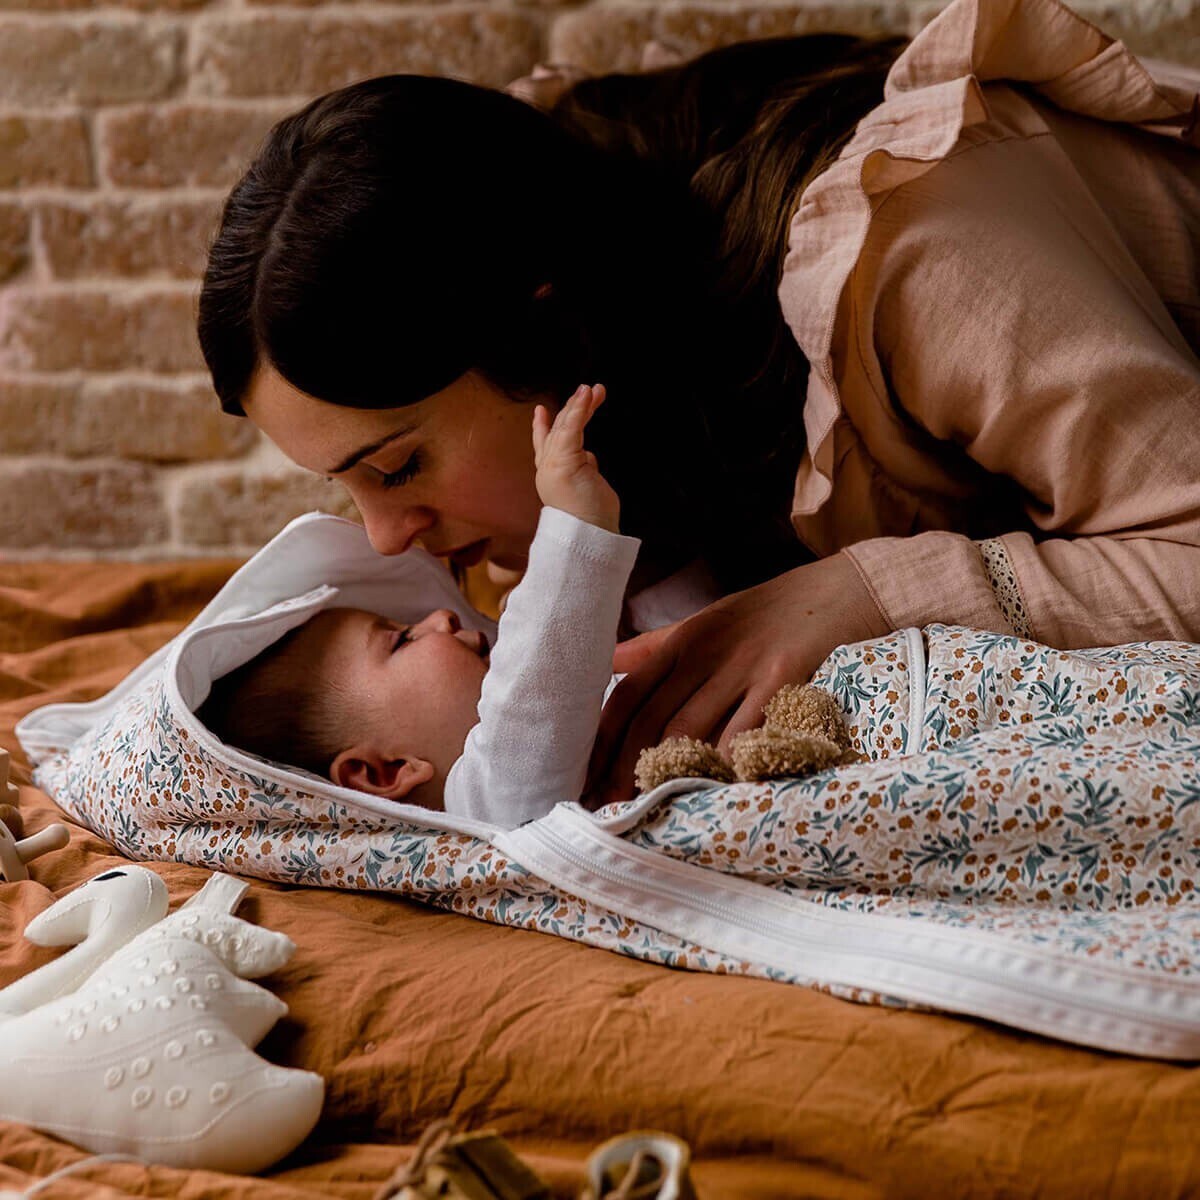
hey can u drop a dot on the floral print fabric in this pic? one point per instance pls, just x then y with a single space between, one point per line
1047 797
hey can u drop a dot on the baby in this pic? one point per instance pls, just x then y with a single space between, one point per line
429 713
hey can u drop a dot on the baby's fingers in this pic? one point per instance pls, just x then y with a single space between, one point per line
541 431
566 433
575 414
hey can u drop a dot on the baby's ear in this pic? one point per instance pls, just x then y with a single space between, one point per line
367 770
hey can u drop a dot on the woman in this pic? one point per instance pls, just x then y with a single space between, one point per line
980 276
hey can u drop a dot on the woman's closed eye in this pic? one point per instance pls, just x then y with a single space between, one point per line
400 638
401 475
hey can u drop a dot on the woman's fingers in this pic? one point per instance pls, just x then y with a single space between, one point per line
679 708
728 660
747 715
630 654
708 713
645 702
664 698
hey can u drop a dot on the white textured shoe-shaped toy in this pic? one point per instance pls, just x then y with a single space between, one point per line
150 1055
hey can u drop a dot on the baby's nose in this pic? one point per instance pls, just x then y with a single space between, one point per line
446 620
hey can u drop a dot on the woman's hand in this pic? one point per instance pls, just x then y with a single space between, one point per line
546 84
711 674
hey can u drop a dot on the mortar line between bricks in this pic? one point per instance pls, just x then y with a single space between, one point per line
80 375
117 194
106 285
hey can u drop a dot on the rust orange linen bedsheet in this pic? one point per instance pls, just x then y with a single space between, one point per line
411 1014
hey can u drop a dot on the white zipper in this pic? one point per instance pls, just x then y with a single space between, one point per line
917 689
565 848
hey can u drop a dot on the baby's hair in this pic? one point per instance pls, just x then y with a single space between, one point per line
277 706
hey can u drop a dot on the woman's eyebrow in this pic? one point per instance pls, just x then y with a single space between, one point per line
362 453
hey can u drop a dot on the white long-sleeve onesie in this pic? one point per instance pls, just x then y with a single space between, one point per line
550 669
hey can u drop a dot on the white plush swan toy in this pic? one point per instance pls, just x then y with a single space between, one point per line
137 1040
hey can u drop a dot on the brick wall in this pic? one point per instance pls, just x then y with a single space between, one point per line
122 126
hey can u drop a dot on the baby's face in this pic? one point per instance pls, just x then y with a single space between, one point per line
413 689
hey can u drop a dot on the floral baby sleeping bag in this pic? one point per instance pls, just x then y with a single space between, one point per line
1019 844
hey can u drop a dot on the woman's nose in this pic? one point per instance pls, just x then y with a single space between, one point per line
392 532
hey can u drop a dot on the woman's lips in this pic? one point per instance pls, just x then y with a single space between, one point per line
468 556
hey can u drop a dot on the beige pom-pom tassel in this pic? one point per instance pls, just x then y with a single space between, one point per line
679 758
773 753
807 709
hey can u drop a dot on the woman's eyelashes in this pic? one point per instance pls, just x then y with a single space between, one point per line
400 638
402 475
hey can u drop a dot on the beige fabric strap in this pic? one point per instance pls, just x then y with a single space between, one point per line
412 1173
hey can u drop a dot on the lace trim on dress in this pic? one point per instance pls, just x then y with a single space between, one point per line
1003 579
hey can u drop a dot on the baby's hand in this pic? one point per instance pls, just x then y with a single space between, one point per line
567 474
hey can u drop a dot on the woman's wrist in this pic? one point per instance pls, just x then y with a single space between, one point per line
861 596
833 601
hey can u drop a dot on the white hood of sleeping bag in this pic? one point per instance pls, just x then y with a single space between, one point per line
97 759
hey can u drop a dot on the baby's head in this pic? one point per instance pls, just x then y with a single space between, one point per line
364 701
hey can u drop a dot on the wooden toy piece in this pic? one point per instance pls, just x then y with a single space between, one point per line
14 853
9 793
13 819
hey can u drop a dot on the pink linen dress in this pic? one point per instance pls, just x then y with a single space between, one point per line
996 285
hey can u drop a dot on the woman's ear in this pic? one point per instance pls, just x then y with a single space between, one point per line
367 770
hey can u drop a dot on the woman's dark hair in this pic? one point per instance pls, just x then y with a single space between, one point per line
396 233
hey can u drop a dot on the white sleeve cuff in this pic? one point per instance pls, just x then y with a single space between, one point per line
610 549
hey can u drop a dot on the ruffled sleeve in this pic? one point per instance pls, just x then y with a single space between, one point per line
931 96
953 342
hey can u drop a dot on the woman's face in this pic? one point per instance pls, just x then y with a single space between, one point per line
454 471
